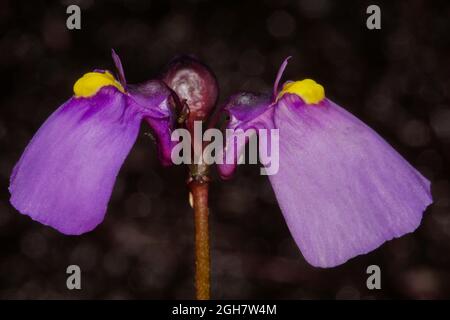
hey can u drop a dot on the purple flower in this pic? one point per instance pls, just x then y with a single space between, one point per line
66 174
342 189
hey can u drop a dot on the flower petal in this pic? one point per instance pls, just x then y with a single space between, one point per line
156 101
247 111
342 189
65 177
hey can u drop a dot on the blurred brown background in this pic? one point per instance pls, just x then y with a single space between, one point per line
395 79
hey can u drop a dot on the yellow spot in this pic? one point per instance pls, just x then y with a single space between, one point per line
91 82
309 90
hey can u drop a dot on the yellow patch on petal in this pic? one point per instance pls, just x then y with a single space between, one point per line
90 83
309 90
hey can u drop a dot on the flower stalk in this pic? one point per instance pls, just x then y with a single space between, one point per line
197 90
199 193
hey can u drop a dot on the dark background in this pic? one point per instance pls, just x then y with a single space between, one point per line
395 79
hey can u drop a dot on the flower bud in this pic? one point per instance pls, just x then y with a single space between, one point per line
195 85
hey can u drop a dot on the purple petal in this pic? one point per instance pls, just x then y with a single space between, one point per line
119 68
342 189
246 111
155 99
279 75
65 177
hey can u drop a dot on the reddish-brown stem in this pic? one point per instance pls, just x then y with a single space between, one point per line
196 89
199 197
